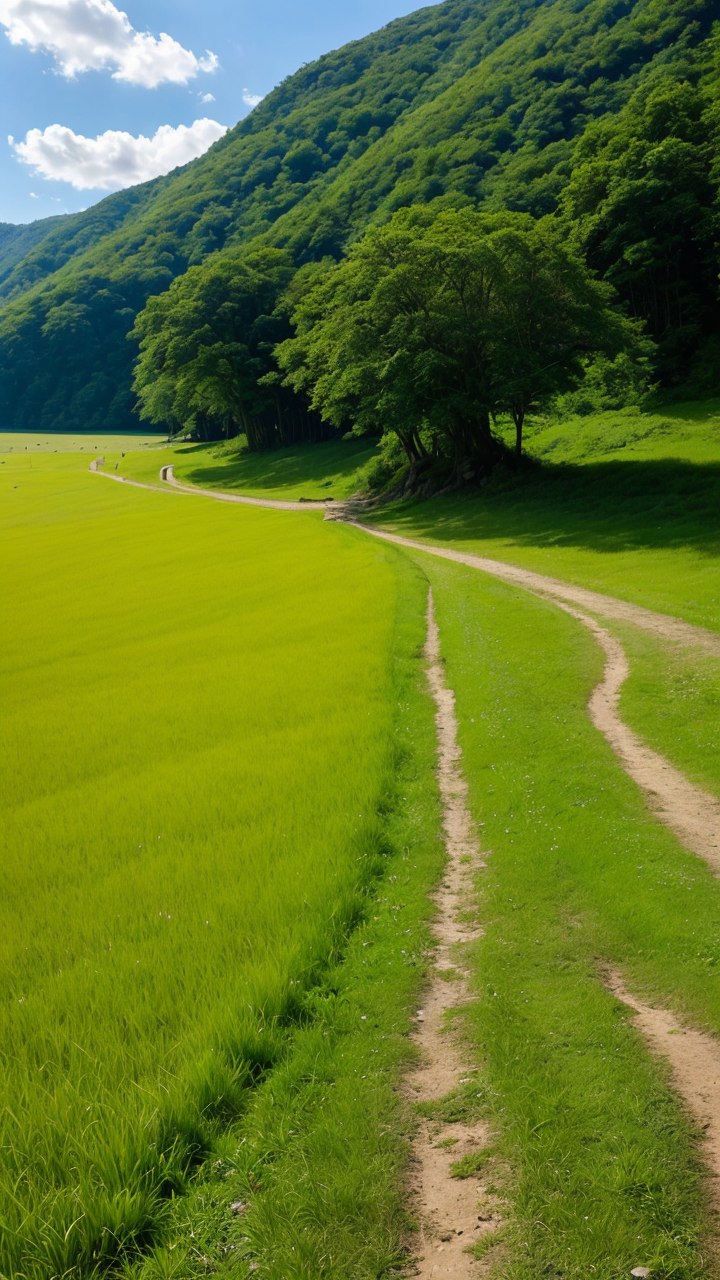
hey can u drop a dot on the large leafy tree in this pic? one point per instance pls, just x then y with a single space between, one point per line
439 320
206 343
547 315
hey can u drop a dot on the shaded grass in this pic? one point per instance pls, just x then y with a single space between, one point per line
579 877
196 746
300 471
647 532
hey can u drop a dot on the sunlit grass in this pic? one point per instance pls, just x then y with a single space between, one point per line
21 442
688 431
195 742
672 699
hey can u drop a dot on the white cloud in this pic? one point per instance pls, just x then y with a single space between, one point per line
251 99
114 159
207 97
91 35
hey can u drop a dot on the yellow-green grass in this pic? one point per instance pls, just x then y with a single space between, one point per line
32 442
641 523
625 503
174 657
319 1159
197 739
300 471
603 1168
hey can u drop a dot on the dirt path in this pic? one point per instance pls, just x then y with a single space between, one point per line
453 1213
456 1213
607 606
695 1060
312 504
691 813
171 485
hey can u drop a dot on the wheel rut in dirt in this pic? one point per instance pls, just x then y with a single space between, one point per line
689 811
694 1057
277 504
660 624
453 1214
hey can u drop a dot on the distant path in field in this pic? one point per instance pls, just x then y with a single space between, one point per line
171 485
310 504
691 813
452 1213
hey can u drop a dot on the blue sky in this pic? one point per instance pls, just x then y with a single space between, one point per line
85 80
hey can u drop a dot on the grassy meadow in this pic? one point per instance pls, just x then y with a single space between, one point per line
221 826
198 760
625 502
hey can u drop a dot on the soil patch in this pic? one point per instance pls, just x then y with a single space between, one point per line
453 1213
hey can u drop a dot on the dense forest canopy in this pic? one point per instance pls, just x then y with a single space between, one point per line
437 322
207 353
605 114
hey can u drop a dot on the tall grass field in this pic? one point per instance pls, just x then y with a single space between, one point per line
197 739
221 831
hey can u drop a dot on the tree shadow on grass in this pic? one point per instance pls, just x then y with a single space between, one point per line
604 507
311 464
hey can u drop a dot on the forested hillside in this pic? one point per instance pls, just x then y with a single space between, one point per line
17 240
605 112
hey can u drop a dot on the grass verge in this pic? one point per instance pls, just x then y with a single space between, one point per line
672 700
605 1175
301 471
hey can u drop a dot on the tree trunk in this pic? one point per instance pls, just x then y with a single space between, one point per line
519 417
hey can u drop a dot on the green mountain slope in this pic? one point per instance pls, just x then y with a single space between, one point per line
17 240
471 99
